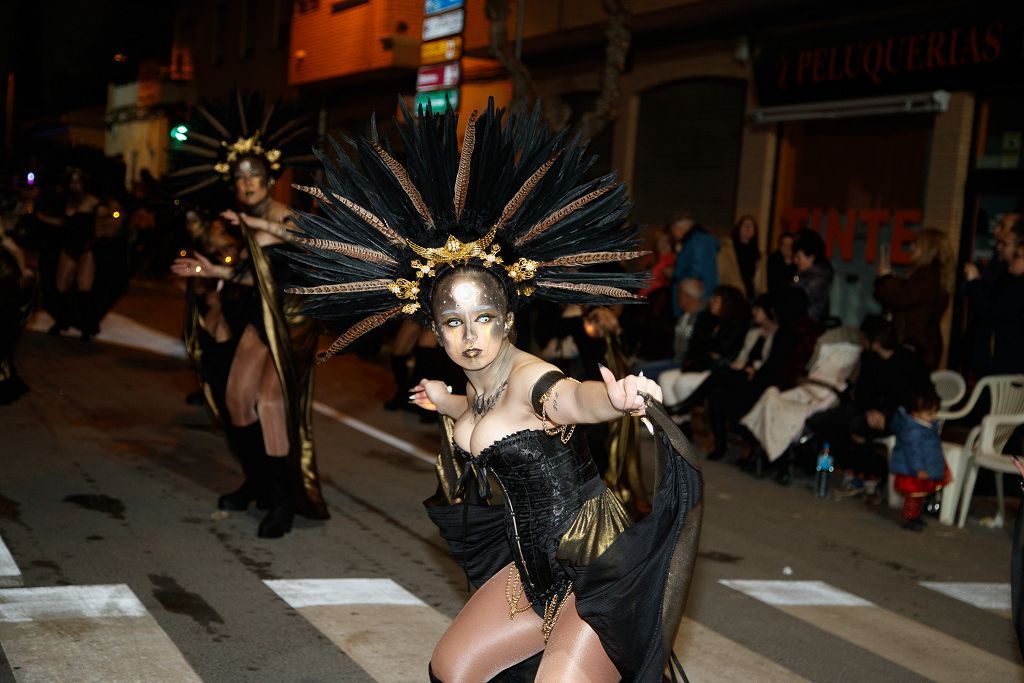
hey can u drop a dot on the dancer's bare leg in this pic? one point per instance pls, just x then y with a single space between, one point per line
86 274
270 408
482 641
574 652
66 272
245 377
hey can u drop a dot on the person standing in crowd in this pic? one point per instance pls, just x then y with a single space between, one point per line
781 268
1001 304
739 258
268 393
697 257
918 301
653 326
814 274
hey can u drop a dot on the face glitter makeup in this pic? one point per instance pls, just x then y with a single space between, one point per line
470 311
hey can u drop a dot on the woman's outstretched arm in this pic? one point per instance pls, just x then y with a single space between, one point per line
591 402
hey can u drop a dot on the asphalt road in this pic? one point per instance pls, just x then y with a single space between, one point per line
107 478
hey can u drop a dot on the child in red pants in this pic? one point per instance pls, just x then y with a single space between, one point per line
917 459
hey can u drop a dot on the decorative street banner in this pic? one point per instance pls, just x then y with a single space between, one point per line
436 99
444 50
949 51
443 25
438 6
438 77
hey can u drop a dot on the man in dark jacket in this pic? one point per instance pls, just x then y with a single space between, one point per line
814 274
1000 302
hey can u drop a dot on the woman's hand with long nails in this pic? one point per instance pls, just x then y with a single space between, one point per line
428 393
624 394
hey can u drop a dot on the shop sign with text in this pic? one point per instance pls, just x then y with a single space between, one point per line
436 99
438 6
840 229
438 77
943 51
443 25
443 50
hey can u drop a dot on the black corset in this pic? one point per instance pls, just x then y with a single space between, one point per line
544 483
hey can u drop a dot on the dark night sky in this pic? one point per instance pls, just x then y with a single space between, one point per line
62 50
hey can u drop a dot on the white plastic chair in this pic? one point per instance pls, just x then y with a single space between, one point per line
950 386
985 442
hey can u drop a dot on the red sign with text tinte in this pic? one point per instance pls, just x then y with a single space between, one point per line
840 229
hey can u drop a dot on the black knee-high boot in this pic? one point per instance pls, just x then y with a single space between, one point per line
86 312
278 521
247 445
60 310
430 673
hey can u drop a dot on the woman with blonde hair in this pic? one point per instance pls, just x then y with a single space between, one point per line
918 300
739 258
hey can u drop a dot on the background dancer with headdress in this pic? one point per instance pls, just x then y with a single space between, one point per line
73 302
267 392
567 582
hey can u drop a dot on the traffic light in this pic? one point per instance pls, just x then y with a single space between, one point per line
180 132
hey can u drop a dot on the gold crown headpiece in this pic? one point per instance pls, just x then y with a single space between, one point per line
454 251
250 146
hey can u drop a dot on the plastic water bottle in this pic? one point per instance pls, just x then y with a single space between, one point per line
824 469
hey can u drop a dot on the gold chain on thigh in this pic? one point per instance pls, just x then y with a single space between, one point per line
514 592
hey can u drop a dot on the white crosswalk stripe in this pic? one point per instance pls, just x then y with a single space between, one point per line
10 575
86 633
366 617
707 655
994 597
910 644
385 629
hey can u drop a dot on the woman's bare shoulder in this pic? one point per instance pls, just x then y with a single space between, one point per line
525 373
278 212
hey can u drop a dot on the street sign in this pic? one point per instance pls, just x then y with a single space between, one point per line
438 6
438 77
444 50
436 99
443 25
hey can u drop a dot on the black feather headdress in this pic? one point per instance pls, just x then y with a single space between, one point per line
222 134
512 200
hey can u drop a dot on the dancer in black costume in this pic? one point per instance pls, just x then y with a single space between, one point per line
569 586
73 302
267 392
16 296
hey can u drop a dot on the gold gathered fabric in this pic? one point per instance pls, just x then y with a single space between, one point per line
598 523
292 338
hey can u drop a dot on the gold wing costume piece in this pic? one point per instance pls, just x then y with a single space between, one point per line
291 337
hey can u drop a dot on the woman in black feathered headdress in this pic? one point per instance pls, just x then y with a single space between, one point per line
464 238
263 387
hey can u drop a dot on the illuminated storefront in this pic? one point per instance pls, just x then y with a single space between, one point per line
893 126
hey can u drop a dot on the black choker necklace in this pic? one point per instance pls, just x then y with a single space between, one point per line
483 404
